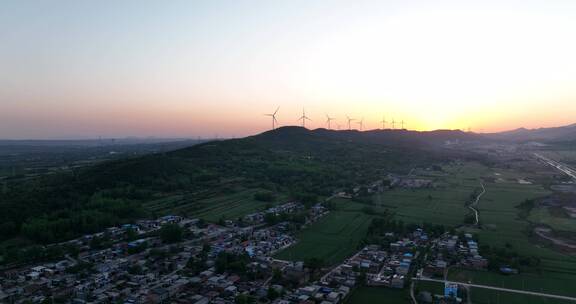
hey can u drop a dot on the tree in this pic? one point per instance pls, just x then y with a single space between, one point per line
314 264
264 196
277 275
272 294
135 269
171 233
244 299
131 235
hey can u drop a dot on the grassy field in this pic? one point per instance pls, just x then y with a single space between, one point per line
545 217
336 236
444 204
502 226
364 295
333 238
547 283
484 296
226 206
498 217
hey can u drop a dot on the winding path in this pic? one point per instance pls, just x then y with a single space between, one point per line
475 204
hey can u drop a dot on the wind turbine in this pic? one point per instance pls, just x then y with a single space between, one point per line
349 121
361 123
393 122
303 118
273 115
402 125
383 122
328 120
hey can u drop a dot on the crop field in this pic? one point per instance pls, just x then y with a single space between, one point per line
485 296
499 215
546 283
364 295
444 204
499 220
333 238
545 217
432 287
223 206
439 206
502 226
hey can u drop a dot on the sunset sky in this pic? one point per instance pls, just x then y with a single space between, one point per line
84 69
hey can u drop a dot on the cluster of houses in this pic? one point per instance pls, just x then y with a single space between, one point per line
158 272
450 250
380 268
259 217
315 293
142 269
410 182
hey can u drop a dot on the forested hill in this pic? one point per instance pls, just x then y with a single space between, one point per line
291 160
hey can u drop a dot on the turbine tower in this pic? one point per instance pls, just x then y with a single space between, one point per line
361 123
349 121
303 118
383 122
402 125
393 123
328 120
273 115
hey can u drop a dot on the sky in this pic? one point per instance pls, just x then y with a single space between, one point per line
88 69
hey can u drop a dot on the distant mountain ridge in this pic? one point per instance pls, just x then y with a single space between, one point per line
553 134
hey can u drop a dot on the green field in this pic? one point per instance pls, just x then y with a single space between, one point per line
369 295
497 207
333 238
485 296
336 236
222 206
545 217
444 204
546 283
502 226
498 217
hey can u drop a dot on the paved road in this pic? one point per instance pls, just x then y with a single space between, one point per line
532 293
475 203
414 301
558 165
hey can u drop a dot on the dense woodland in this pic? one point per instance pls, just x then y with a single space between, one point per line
289 160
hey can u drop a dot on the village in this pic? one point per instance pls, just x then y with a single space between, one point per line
180 260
